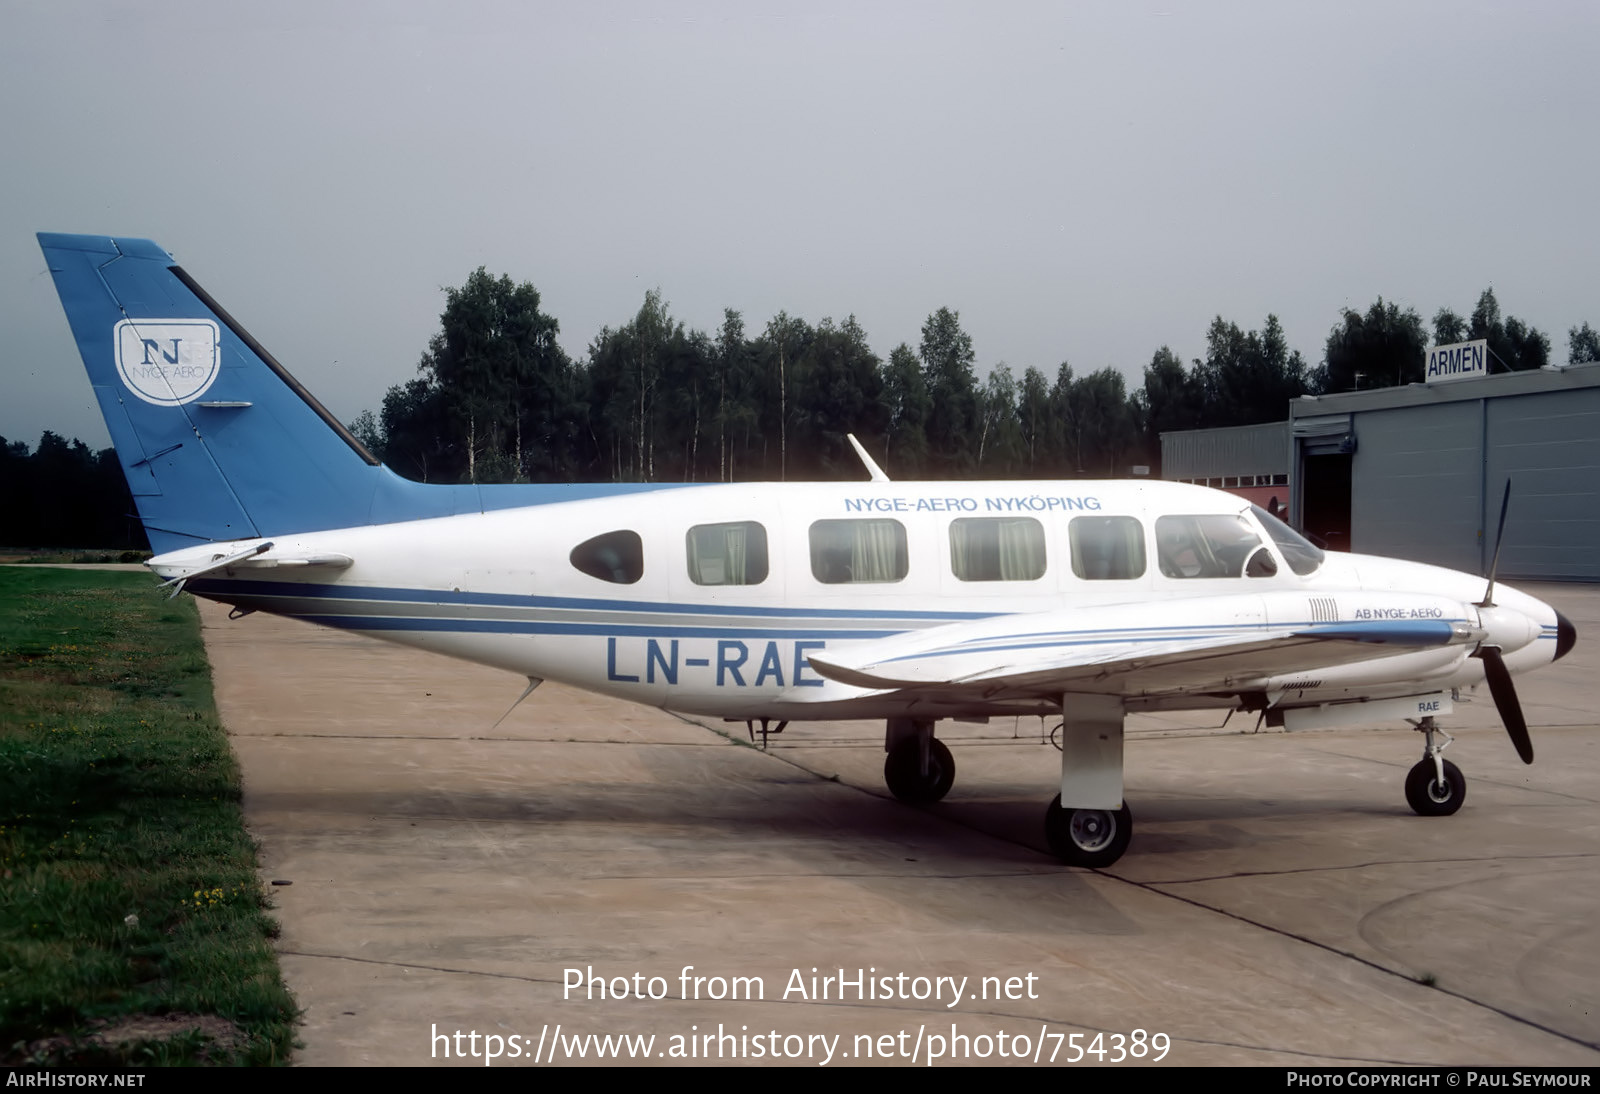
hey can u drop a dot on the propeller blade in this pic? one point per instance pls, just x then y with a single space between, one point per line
1505 700
1494 566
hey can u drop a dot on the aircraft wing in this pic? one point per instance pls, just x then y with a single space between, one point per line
1207 644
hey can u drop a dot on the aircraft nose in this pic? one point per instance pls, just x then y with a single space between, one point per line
1566 636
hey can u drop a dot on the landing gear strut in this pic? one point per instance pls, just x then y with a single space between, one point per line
1435 787
1093 830
919 769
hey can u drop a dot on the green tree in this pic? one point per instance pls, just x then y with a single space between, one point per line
1384 347
780 353
1170 399
837 390
1034 422
501 373
906 407
1099 423
947 372
1512 343
999 435
369 431
1062 445
416 433
1448 328
629 368
1247 378
1583 344
65 495
737 417
689 399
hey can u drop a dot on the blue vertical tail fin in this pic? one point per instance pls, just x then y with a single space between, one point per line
217 440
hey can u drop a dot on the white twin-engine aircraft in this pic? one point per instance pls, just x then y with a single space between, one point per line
909 602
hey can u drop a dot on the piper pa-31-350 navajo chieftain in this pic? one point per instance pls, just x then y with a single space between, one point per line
908 602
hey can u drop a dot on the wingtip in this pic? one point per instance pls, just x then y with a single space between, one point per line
840 674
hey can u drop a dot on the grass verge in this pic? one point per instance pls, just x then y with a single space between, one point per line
51 556
133 927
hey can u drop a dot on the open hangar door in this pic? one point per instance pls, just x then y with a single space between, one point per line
1321 504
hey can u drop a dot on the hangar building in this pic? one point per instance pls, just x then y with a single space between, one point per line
1418 472
1249 460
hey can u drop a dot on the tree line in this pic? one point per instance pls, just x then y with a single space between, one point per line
62 494
496 398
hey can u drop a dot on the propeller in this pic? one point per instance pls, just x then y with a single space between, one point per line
1494 565
1494 662
1505 700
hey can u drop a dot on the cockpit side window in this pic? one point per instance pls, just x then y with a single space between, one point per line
1301 554
617 557
1211 545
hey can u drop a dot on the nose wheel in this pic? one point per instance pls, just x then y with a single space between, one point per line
1435 787
1087 837
1429 795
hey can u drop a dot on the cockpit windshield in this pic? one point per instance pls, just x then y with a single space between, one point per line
1301 554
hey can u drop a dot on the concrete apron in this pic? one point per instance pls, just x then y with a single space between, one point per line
1279 905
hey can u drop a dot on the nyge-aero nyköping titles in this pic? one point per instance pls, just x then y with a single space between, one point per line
905 602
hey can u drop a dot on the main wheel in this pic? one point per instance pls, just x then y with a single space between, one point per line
1428 797
1087 837
906 782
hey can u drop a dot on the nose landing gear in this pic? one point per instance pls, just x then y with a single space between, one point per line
1435 787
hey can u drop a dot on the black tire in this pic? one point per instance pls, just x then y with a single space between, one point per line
1430 798
1088 837
910 785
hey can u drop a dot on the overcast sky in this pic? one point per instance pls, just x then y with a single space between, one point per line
1082 182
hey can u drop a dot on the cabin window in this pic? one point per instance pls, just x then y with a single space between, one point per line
1211 546
853 552
1107 548
997 549
728 554
617 557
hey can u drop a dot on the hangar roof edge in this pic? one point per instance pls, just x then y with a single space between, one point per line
1531 382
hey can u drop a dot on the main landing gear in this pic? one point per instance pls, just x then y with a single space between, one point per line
919 769
1092 832
1087 837
1435 787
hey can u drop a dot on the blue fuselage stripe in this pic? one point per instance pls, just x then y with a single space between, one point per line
241 590
601 630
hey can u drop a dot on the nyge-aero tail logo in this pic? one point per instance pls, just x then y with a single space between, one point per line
168 362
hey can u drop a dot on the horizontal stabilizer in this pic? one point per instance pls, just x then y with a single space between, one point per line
176 566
